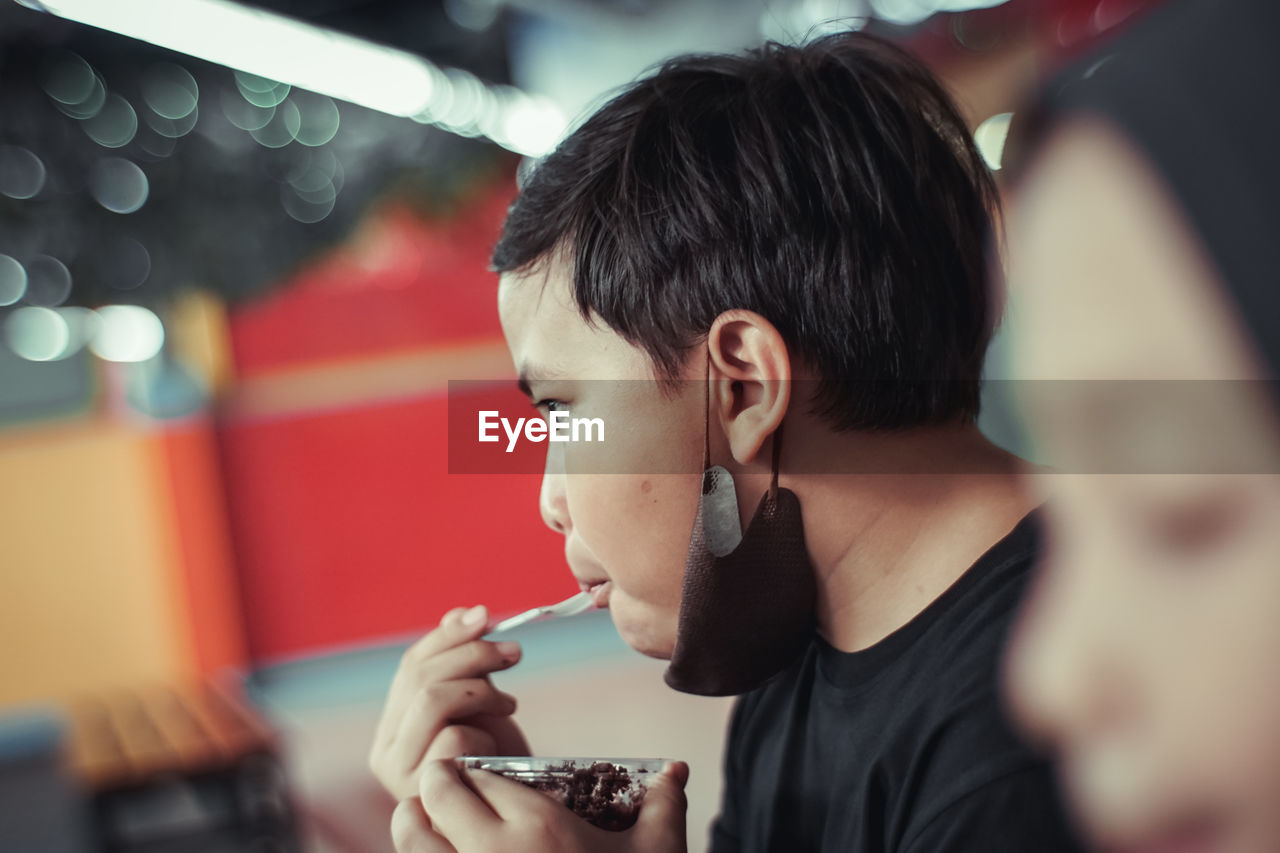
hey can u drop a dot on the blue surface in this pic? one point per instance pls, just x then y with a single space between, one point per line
31 732
363 675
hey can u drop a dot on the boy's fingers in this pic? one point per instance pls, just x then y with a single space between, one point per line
470 660
507 798
508 738
458 626
411 832
436 705
450 803
677 771
662 815
457 740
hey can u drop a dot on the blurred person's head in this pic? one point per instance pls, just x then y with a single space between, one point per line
814 213
1146 656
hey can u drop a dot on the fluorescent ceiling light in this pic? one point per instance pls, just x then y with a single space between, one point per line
290 51
915 11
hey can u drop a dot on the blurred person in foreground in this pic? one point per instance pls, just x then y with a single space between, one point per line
737 243
1145 261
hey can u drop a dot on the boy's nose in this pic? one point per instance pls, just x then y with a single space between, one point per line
552 502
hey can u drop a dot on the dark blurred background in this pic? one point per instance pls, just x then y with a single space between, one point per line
243 249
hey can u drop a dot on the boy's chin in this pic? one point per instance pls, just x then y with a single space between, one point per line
644 636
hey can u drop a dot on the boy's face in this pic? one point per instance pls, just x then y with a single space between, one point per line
626 534
1147 655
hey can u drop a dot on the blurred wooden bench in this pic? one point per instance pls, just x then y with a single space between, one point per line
182 768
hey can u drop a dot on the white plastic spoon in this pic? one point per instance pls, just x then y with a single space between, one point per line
579 603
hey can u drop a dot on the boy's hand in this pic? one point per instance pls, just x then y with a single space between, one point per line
474 811
442 704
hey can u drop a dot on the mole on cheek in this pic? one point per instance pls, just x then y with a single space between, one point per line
646 486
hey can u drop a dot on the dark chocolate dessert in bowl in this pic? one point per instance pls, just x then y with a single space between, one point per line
606 792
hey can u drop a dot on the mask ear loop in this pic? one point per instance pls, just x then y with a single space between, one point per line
776 464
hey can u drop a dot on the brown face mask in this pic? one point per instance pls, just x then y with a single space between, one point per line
747 610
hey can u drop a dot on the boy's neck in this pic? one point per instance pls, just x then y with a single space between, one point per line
885 545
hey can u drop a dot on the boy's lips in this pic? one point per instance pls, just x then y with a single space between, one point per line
597 586
599 593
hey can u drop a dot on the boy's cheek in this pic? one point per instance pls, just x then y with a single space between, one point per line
627 520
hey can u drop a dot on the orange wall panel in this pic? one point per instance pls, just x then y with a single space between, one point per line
197 507
90 596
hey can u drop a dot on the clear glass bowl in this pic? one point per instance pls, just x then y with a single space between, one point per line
606 792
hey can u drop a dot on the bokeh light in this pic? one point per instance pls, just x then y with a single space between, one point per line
529 125
127 333
990 136
114 125
126 264
22 173
320 169
157 145
312 186
68 79
260 91
309 207
74 86
170 91
13 280
803 20
282 129
172 128
48 281
37 334
911 12
318 118
243 114
904 12
119 185
466 106
474 15
82 324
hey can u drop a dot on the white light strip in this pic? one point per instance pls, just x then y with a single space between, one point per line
910 12
969 5
310 57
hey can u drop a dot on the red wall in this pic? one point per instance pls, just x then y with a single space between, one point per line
346 523
348 527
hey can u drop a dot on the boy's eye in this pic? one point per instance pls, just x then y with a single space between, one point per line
548 406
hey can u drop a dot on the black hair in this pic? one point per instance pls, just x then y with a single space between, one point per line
832 188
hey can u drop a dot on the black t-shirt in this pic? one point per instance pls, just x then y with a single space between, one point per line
902 747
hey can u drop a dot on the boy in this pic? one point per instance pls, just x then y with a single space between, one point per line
793 235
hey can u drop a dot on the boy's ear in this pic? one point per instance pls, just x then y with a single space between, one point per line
750 376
